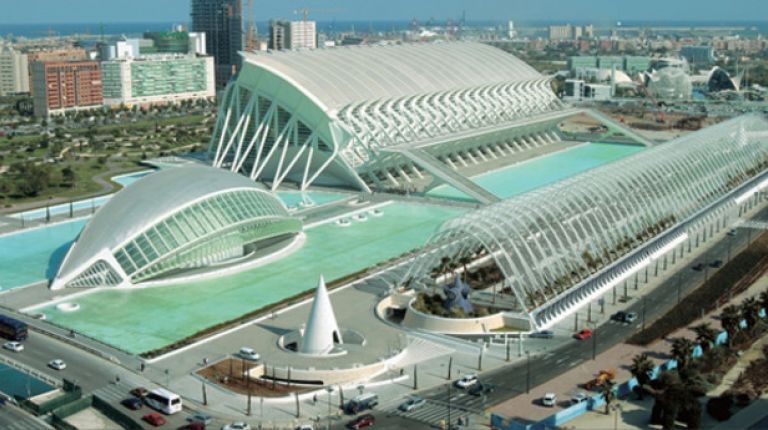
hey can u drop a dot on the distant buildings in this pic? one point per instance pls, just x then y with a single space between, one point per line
222 23
698 55
14 72
292 35
61 86
157 79
628 63
568 31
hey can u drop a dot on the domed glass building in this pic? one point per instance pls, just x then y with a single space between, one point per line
175 222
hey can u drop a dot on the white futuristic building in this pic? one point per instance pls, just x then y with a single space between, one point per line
380 116
321 333
174 222
562 245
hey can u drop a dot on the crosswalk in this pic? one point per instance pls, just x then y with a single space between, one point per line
435 412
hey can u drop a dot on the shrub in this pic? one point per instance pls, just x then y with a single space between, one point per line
719 408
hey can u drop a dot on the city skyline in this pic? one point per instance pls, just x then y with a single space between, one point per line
595 10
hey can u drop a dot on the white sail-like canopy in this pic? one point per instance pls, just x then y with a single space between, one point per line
322 331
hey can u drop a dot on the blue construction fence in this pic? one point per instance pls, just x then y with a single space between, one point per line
620 390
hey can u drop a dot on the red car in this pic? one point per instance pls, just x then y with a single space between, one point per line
362 421
193 426
154 418
583 334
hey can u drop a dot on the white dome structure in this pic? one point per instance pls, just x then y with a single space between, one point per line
322 331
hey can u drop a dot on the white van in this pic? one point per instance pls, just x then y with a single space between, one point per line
163 401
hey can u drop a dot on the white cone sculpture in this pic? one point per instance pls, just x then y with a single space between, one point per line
322 331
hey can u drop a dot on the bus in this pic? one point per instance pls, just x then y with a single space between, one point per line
163 401
12 329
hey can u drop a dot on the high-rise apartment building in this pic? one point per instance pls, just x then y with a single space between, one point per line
157 79
292 35
61 86
14 73
222 23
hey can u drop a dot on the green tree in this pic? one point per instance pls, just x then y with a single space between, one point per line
641 369
68 176
750 309
705 336
729 319
606 389
682 349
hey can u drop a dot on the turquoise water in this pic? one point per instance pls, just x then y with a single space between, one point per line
34 255
145 319
15 383
528 175
314 198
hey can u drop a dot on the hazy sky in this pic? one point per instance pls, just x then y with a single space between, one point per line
92 11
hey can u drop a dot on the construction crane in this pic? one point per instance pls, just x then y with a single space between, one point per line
250 38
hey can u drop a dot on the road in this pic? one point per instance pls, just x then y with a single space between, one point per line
13 418
511 380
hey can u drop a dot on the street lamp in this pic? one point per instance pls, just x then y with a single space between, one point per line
594 340
329 390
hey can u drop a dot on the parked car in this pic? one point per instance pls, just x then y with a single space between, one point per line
579 397
237 425
249 354
549 399
716 264
544 334
412 403
466 381
200 418
481 388
731 232
362 421
192 426
304 427
57 364
132 403
13 346
154 419
698 267
583 334
139 392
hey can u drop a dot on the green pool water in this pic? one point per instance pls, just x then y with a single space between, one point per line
528 175
145 319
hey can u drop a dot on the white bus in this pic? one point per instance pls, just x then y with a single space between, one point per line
164 401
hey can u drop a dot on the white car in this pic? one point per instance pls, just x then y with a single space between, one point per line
237 425
467 381
57 364
549 399
249 354
579 397
13 346
304 427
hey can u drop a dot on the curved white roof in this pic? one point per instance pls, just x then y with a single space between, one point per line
340 76
146 202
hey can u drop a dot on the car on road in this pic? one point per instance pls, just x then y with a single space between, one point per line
57 364
549 399
200 418
467 381
362 421
13 346
579 397
154 419
139 392
624 317
414 402
237 425
731 232
583 334
716 264
132 403
544 334
304 427
192 426
249 354
481 389
699 267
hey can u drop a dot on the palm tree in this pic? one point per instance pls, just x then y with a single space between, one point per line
682 349
705 336
641 369
750 309
606 389
764 300
729 319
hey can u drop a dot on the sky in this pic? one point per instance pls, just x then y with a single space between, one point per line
106 11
